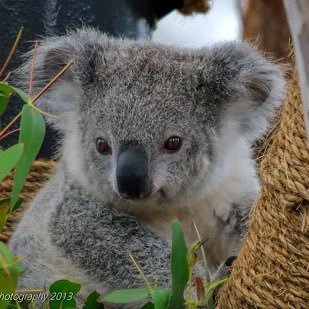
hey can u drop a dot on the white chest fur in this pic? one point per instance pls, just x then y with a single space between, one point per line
231 183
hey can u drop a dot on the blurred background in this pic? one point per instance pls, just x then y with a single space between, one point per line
188 23
221 22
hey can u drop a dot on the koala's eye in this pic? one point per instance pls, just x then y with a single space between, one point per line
102 146
173 144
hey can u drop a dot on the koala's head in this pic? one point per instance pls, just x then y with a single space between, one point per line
143 120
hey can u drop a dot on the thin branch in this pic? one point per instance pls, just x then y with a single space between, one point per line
69 64
31 75
7 134
38 96
10 124
6 77
12 51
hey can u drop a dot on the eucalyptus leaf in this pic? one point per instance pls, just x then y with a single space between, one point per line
62 294
4 99
10 271
5 88
149 306
32 132
4 212
160 298
5 209
20 200
4 201
7 200
179 267
92 301
213 285
13 305
9 158
127 296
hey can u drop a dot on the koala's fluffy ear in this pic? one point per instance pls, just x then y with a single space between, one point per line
53 54
250 86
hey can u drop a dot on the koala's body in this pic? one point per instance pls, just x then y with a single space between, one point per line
150 133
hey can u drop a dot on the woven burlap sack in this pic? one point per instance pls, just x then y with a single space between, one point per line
272 268
40 172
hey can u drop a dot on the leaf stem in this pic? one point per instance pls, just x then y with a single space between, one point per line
42 112
141 272
14 263
6 63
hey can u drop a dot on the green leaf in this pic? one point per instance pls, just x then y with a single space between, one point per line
4 99
5 88
127 296
149 306
213 285
9 158
62 294
10 271
17 204
13 305
160 298
179 266
92 301
32 131
5 200
4 211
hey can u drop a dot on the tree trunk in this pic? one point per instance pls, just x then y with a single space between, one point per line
265 22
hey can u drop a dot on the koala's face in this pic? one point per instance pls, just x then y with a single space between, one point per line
143 134
145 121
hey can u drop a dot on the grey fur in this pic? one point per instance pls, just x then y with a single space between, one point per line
102 226
218 99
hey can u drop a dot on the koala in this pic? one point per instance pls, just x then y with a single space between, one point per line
149 133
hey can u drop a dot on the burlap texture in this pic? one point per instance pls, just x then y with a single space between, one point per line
40 172
272 268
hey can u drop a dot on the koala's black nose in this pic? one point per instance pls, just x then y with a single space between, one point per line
132 173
